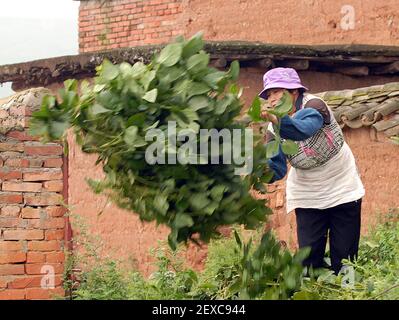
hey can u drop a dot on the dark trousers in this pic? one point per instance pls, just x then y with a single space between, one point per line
341 223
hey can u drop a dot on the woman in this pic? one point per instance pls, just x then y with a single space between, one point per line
323 185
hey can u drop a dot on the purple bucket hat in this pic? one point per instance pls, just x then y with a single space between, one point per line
286 78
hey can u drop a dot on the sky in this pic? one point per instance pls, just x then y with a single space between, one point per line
65 9
36 29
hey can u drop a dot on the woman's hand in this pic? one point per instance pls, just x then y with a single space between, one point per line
269 117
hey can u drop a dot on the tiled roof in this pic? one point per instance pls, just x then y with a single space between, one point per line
376 106
352 60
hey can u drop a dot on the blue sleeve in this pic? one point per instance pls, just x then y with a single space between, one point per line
278 164
303 125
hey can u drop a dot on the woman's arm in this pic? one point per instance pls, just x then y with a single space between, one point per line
278 164
303 125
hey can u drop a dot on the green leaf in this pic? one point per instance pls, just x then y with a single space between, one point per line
98 109
197 88
136 120
272 149
58 128
254 110
181 88
48 102
234 70
210 208
199 201
183 220
151 96
238 239
217 192
168 75
193 45
305 295
260 187
267 177
161 204
197 62
289 147
236 90
125 69
98 87
109 71
198 102
138 69
152 126
285 104
147 78
213 79
222 105
170 55
130 135
71 85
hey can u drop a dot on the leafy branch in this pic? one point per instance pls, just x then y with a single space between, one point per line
112 117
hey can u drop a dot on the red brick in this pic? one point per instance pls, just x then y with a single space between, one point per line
8 222
10 211
12 257
3 282
24 282
44 150
11 245
55 211
21 186
17 162
53 163
7 174
36 163
43 175
37 268
41 294
9 269
8 146
52 245
23 234
32 281
12 294
54 234
21 136
50 223
55 185
55 257
33 213
9 198
35 257
43 199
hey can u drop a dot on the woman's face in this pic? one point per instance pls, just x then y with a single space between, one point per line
274 95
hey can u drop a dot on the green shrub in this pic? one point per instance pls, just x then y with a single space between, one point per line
375 271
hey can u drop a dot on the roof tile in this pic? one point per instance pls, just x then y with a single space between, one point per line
375 105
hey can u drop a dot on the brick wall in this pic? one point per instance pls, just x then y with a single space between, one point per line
127 23
126 238
32 222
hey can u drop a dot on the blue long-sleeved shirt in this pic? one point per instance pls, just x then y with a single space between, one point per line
304 124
